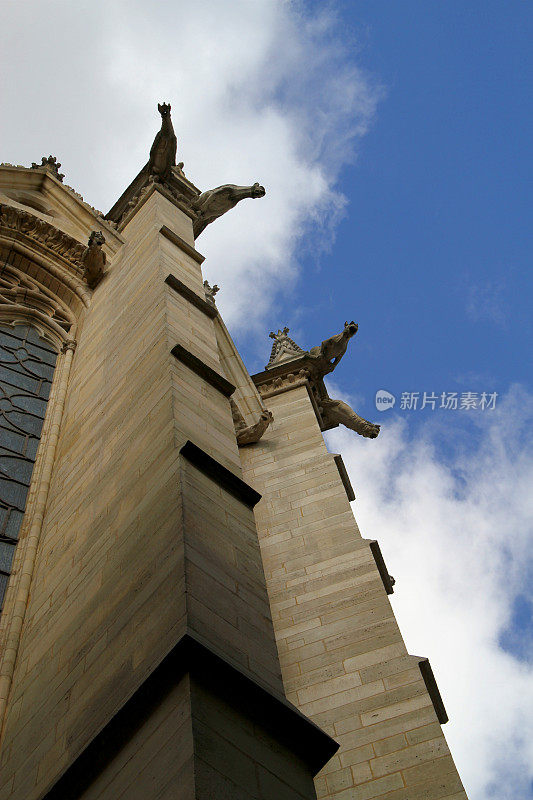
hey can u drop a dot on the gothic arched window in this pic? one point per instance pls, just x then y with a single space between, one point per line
27 363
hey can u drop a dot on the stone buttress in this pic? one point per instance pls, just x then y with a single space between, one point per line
140 660
343 660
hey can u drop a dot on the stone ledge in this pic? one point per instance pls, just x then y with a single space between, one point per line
181 243
388 580
191 296
344 476
433 690
190 655
197 365
220 474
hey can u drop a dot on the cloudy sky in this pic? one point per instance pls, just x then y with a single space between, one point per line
393 139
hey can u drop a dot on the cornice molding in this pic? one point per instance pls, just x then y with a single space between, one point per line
19 223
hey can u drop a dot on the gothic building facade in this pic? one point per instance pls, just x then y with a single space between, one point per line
188 607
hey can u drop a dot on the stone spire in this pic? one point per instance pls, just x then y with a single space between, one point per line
284 349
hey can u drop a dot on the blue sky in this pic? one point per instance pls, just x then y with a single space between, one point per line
433 259
433 256
393 141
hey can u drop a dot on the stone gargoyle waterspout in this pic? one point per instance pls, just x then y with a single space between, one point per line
328 354
251 433
215 202
335 412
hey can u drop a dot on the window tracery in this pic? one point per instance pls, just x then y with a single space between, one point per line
27 363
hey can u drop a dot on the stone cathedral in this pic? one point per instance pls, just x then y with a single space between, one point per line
189 610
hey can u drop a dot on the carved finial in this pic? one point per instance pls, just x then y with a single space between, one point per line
210 292
93 259
283 349
163 150
50 164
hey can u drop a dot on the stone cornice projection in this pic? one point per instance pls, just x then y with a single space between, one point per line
50 173
18 221
275 384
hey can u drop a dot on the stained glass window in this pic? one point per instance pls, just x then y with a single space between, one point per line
27 364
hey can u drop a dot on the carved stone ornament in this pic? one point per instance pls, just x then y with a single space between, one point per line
328 354
18 290
69 189
283 349
50 164
335 412
251 433
212 204
283 381
163 150
20 221
315 364
210 292
93 259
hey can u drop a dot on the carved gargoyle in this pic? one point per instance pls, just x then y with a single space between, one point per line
249 434
163 150
326 356
339 412
210 292
212 204
93 259
329 353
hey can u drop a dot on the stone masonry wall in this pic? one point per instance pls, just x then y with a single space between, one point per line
137 546
343 659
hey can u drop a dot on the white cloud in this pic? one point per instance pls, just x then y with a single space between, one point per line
259 90
455 532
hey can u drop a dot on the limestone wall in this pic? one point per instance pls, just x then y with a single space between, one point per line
343 659
138 545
